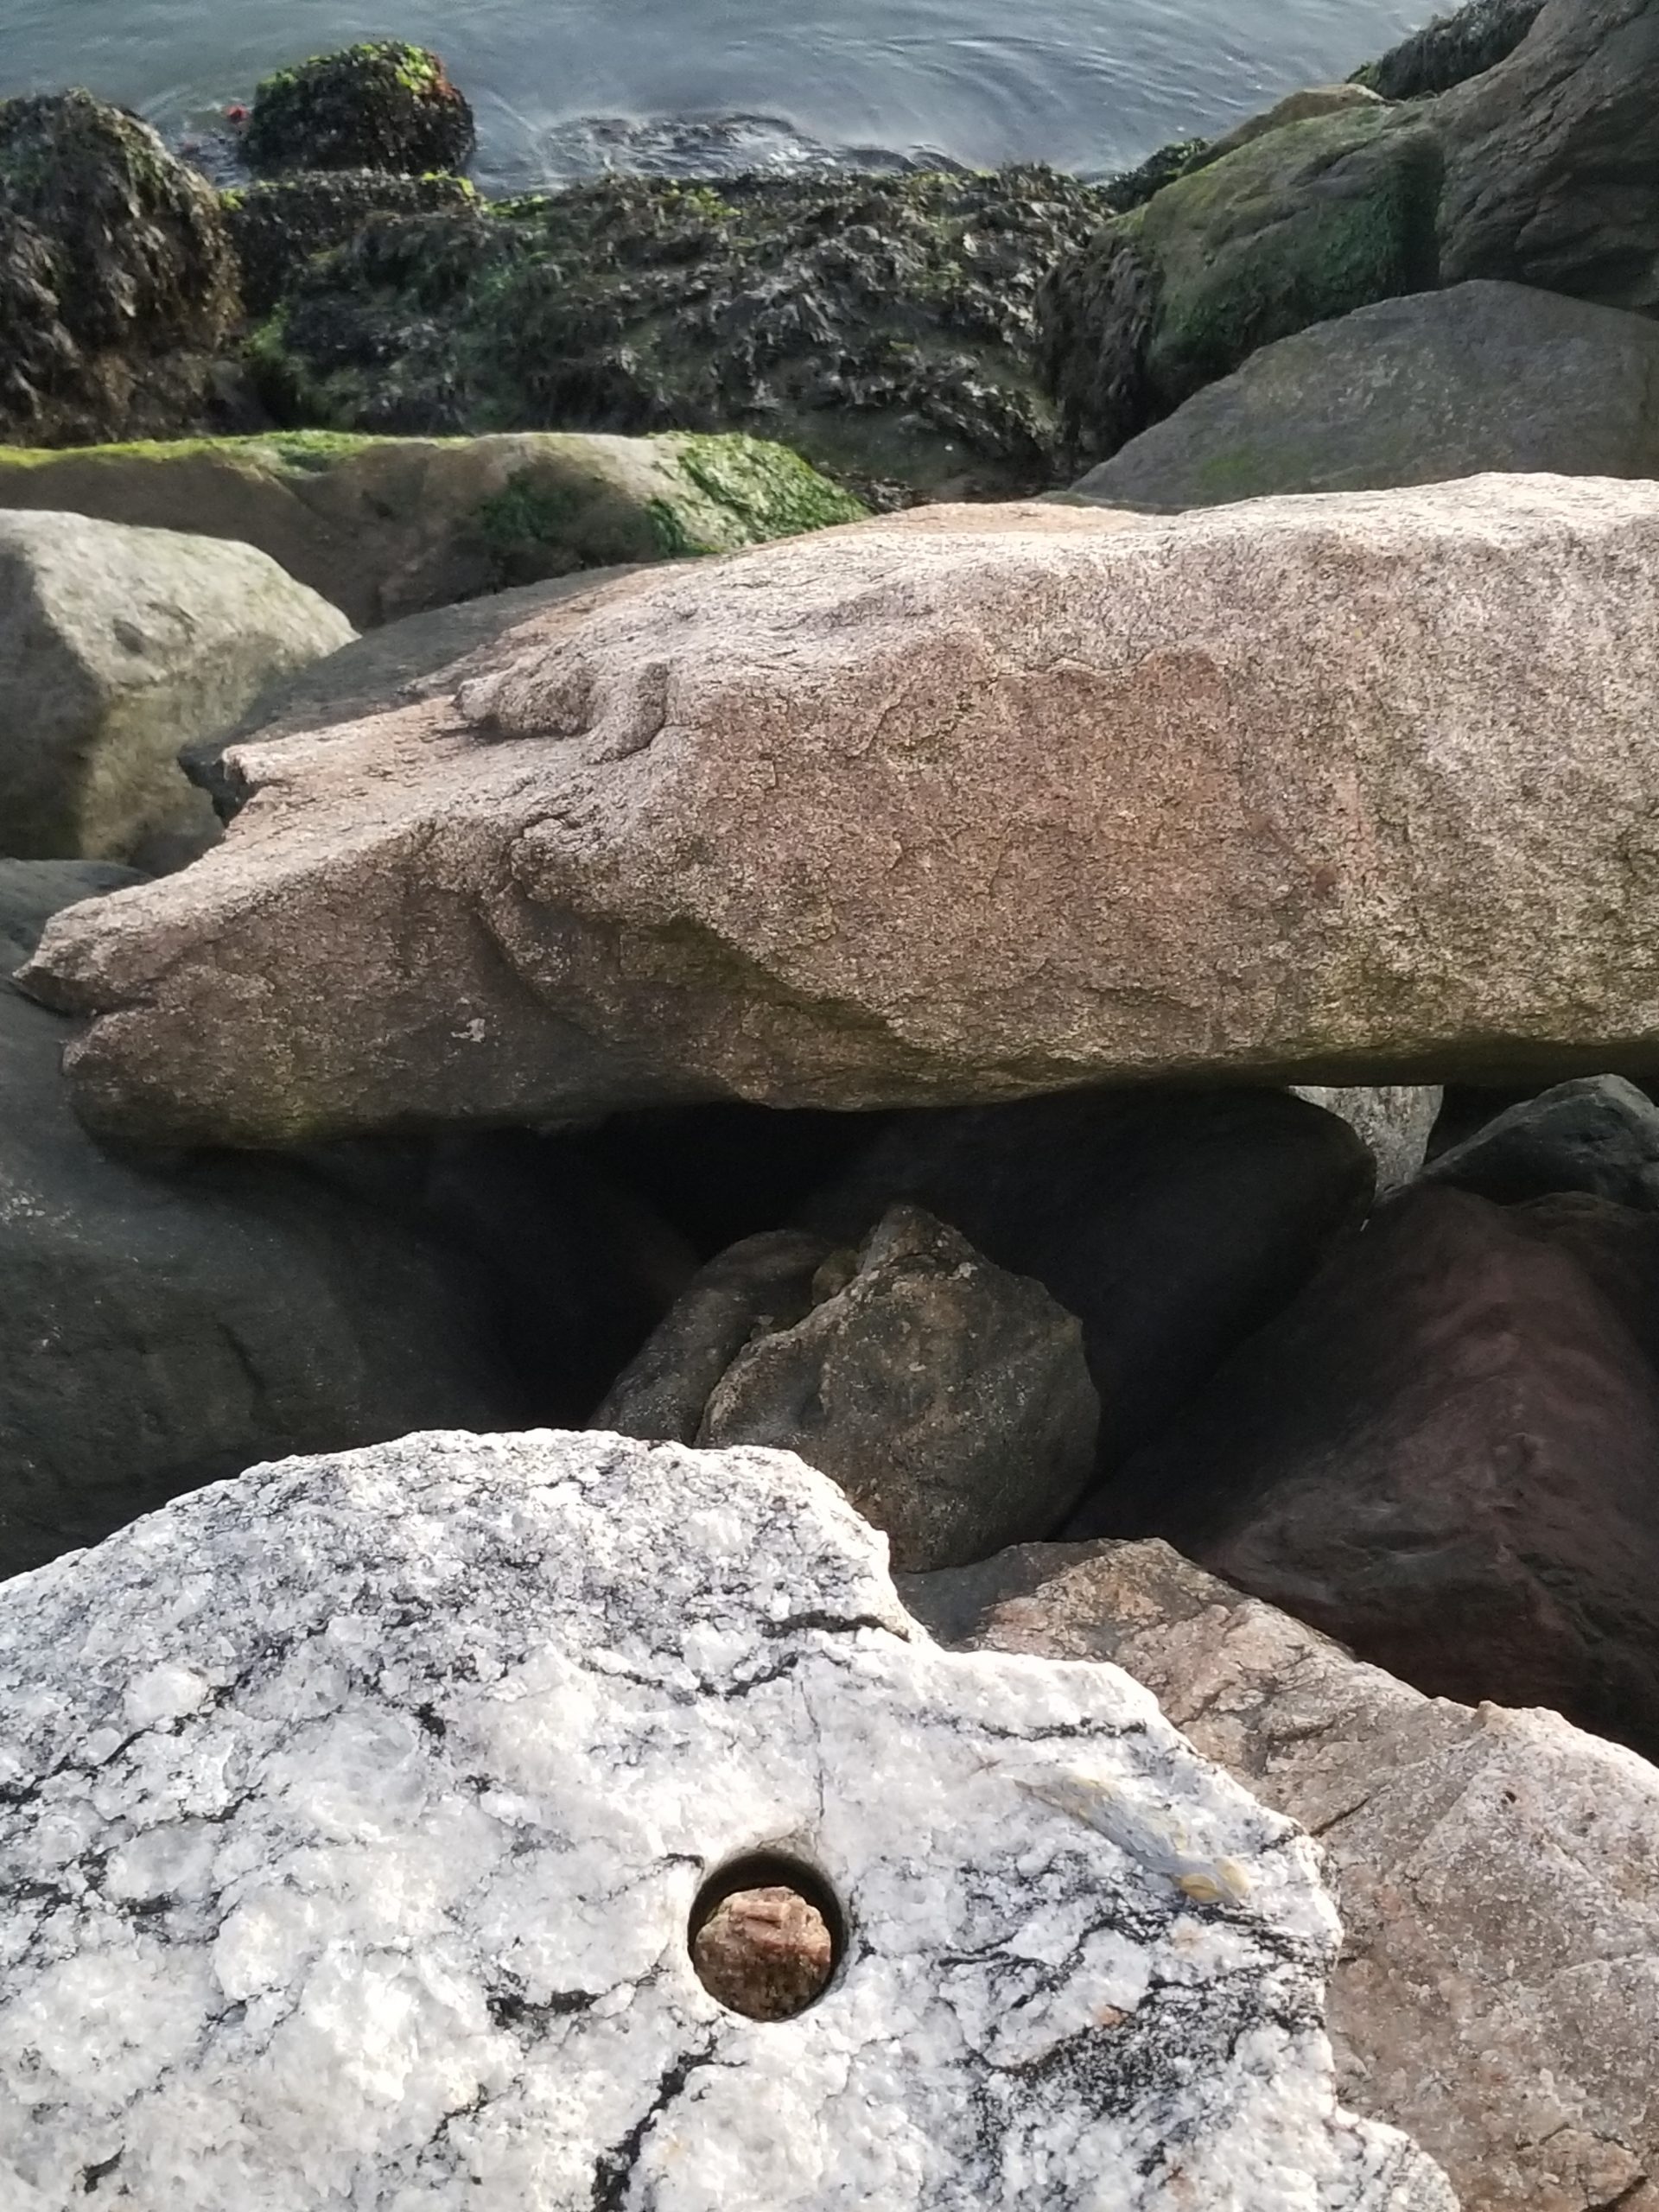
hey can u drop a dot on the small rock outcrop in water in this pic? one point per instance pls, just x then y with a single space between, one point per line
379 105
385 527
118 280
358 1815
1452 49
122 643
1498 1988
903 773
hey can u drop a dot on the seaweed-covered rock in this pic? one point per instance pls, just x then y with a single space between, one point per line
1310 221
279 224
1450 49
117 282
387 527
881 325
378 105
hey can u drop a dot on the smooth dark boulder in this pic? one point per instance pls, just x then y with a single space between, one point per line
1171 1223
1446 1453
381 104
1437 385
1600 1135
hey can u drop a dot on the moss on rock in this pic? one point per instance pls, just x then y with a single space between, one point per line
279 225
378 105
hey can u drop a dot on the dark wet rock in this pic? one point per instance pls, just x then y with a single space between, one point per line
1450 49
948 1399
1173 1224
165 1324
279 224
1446 1453
881 324
117 282
1600 1135
1132 188
378 105
1416 391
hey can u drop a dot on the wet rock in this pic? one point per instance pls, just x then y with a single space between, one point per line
452 1734
1443 385
121 643
1498 1990
279 224
1393 1121
1600 1135
1302 106
1452 49
163 1325
1173 1224
1446 1453
117 282
865 864
378 105
389 527
881 326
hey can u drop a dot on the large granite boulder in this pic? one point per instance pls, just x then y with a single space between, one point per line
162 1327
1498 1988
1600 1135
1276 793
381 104
117 282
1394 1120
385 527
1481 376
1446 1453
117 646
360 1818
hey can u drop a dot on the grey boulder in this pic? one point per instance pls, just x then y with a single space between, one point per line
1600 1135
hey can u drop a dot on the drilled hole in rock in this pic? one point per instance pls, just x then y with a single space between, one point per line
766 1936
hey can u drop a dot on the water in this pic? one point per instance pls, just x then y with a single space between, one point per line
560 86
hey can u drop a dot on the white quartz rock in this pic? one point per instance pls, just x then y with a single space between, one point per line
352 1814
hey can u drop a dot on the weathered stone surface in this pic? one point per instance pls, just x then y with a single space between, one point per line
384 527
1450 49
1172 1223
161 1330
1498 1872
1416 391
278 224
116 646
1274 792
948 1399
1600 1135
1300 106
1446 1453
357 1811
381 104
1393 1121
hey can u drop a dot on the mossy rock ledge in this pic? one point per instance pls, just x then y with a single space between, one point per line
380 105
385 527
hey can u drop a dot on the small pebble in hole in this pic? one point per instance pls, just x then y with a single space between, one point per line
767 1936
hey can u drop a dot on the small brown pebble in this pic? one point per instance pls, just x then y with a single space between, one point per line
766 1953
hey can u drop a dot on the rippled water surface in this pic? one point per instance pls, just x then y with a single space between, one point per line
1091 85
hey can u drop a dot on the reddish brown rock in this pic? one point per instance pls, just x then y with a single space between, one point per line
766 1952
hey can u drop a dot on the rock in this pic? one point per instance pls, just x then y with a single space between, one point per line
121 643
358 1812
948 1399
1395 1122
1446 1453
378 105
763 1284
394 662
116 280
1498 1993
390 527
1600 1135
1480 377
881 326
867 861
1450 49
1173 1224
280 223
159 1329
766 1952
1295 107
1307 222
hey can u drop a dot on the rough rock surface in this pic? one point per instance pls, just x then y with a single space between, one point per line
279 224
1274 792
1481 376
1600 1135
1394 1120
160 1329
116 646
1450 49
1446 1453
1498 1872
393 526
948 1399
381 104
357 1811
